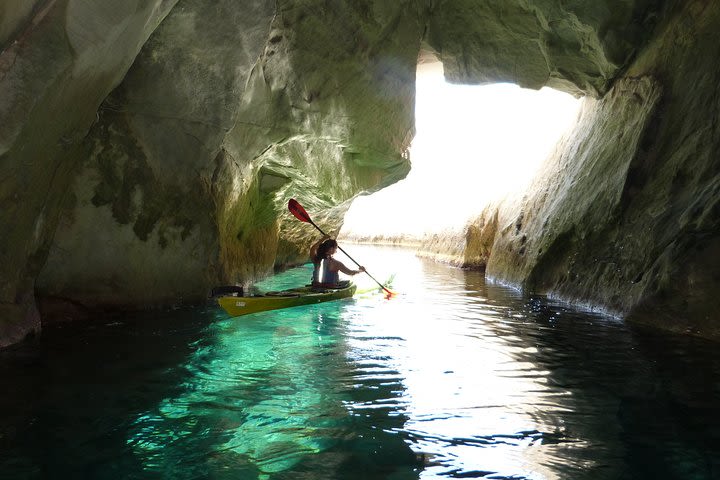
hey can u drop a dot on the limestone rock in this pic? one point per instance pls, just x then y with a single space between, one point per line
626 218
545 238
139 228
148 148
60 59
578 47
225 114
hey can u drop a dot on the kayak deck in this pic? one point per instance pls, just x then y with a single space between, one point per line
295 297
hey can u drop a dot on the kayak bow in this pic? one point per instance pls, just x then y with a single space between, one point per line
295 297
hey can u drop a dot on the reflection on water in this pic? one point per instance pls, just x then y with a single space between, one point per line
263 395
452 378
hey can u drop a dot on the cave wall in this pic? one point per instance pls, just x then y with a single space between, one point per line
178 180
148 149
625 217
574 46
138 224
59 60
223 109
556 235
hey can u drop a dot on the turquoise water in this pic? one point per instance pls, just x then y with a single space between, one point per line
453 378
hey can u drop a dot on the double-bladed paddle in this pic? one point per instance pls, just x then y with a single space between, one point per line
299 212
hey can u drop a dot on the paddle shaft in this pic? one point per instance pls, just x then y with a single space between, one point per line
346 254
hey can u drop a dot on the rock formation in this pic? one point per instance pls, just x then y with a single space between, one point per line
59 61
148 149
625 217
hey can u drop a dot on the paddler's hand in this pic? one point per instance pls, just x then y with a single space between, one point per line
362 269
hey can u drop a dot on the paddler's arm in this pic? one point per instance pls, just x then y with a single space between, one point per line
338 265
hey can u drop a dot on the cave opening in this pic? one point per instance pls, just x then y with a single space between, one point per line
473 145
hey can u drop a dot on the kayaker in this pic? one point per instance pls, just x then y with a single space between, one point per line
326 272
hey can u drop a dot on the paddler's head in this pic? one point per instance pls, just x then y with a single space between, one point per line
327 248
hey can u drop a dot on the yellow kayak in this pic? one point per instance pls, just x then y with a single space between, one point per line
295 297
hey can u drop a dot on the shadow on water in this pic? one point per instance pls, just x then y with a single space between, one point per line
71 393
671 424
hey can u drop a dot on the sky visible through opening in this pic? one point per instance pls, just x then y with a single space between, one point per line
473 144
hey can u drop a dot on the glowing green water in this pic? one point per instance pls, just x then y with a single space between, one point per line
452 378
265 394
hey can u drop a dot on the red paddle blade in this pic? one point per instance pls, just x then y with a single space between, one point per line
298 210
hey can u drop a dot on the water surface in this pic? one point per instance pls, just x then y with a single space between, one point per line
452 378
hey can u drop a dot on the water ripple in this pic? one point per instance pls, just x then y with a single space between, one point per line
452 378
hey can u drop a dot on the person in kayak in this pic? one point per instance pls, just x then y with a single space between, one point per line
326 273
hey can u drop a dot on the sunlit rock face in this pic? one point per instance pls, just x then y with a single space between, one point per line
148 148
555 236
573 46
626 215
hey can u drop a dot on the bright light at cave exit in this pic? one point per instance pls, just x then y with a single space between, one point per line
473 144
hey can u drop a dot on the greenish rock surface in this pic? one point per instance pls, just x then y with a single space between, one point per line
148 149
59 61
